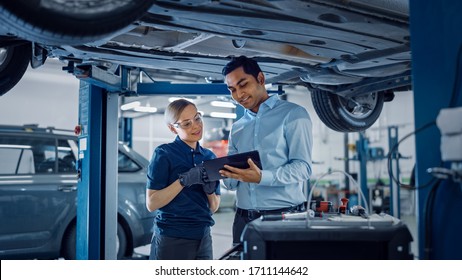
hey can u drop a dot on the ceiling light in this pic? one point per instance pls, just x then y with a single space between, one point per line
15 146
223 115
223 104
145 109
130 106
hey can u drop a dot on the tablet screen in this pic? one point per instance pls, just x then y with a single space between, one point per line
213 166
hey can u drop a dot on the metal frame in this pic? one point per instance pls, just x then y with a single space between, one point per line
363 156
97 168
435 77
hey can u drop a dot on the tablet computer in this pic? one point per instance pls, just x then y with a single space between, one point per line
213 166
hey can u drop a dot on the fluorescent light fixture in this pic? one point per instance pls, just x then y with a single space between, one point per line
171 99
16 177
222 104
19 182
15 146
223 115
145 109
68 181
129 106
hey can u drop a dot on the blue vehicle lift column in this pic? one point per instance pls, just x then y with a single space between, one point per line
436 41
97 166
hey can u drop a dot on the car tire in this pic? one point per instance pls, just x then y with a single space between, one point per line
122 242
13 64
69 243
56 22
342 114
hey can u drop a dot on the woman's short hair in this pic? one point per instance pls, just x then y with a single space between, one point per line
174 109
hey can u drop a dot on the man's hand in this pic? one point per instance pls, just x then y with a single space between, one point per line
249 175
194 176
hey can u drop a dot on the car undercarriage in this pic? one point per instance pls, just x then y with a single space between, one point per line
352 56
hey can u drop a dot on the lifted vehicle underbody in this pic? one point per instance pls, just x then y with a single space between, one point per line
351 55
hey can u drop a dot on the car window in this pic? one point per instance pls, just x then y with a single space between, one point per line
26 155
16 159
66 159
126 164
26 163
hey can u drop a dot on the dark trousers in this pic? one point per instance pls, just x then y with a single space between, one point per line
172 248
240 221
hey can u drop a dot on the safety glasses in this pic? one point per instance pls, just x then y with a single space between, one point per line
188 123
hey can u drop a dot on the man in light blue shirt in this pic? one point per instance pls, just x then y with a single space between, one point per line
281 132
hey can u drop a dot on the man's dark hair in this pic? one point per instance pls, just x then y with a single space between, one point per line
249 65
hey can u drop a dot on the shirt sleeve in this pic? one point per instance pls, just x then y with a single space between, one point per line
298 134
158 175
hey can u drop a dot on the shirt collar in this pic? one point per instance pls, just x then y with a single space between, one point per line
186 148
270 102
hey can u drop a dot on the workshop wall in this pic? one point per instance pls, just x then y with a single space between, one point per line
46 96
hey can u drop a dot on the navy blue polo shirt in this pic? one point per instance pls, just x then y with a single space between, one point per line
188 214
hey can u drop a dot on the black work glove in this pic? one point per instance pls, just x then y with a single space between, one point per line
209 187
193 176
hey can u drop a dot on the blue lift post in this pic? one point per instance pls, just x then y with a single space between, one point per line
126 131
437 84
365 153
97 165
395 205
362 147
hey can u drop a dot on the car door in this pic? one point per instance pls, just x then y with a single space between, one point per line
35 200
132 194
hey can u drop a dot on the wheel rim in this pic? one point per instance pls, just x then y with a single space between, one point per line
3 55
117 245
359 107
